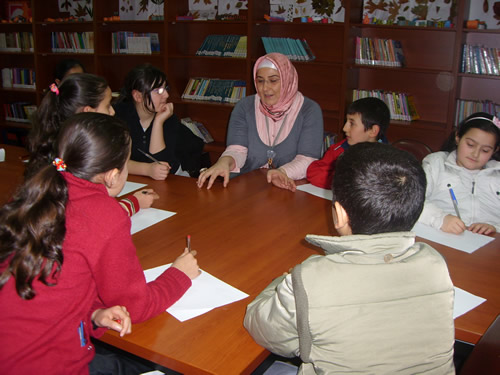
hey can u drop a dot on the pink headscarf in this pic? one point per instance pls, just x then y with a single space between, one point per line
289 85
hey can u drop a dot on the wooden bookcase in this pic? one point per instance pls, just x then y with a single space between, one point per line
432 72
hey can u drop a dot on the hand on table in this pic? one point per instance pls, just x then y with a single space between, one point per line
221 168
482 228
188 264
452 224
146 197
279 178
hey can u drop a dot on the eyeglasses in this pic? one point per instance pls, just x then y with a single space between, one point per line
161 90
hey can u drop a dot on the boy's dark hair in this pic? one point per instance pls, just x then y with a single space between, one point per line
143 78
478 120
64 66
373 111
381 188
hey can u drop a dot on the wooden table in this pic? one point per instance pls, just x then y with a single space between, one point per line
246 235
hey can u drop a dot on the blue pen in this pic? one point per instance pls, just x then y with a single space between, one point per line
83 342
454 200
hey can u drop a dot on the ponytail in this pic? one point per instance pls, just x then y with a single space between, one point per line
32 224
75 93
43 134
32 229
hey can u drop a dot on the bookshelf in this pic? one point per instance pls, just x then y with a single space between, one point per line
477 87
431 73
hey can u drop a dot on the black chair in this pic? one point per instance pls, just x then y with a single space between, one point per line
485 357
416 148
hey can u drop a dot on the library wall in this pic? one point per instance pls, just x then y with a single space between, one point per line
432 73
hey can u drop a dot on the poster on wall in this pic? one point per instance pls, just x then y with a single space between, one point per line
18 10
141 10
81 9
488 13
332 10
231 6
408 10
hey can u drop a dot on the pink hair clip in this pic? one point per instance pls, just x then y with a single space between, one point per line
54 88
59 164
496 121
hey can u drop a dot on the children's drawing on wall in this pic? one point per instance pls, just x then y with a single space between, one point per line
409 10
81 9
203 9
231 6
141 9
487 14
318 9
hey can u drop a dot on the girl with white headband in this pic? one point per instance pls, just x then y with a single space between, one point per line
463 182
278 128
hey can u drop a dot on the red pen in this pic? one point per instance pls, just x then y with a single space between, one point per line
188 240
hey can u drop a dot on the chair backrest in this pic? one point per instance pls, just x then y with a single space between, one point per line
485 357
416 148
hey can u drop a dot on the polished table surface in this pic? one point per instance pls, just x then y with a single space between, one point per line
246 235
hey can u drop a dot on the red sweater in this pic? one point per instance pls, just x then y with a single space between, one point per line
100 268
320 172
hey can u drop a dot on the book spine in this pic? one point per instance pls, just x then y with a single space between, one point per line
301 50
308 49
201 48
187 88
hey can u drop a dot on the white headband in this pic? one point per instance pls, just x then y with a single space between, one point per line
265 63
495 120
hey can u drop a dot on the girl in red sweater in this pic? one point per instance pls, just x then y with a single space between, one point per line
66 255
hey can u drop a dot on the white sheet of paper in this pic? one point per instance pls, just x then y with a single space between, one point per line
130 186
314 190
467 241
464 302
206 293
147 217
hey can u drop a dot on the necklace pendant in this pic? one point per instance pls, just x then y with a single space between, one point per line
270 156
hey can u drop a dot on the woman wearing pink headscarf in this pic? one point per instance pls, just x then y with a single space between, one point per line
278 128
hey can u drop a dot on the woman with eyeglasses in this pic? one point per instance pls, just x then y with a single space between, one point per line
278 129
160 143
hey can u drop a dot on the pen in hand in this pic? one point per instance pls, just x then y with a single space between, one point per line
151 157
148 156
454 200
188 240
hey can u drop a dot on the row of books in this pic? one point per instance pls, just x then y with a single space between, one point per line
224 46
401 105
198 129
127 42
375 51
18 78
16 42
215 90
329 139
19 111
294 49
72 42
466 108
480 60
